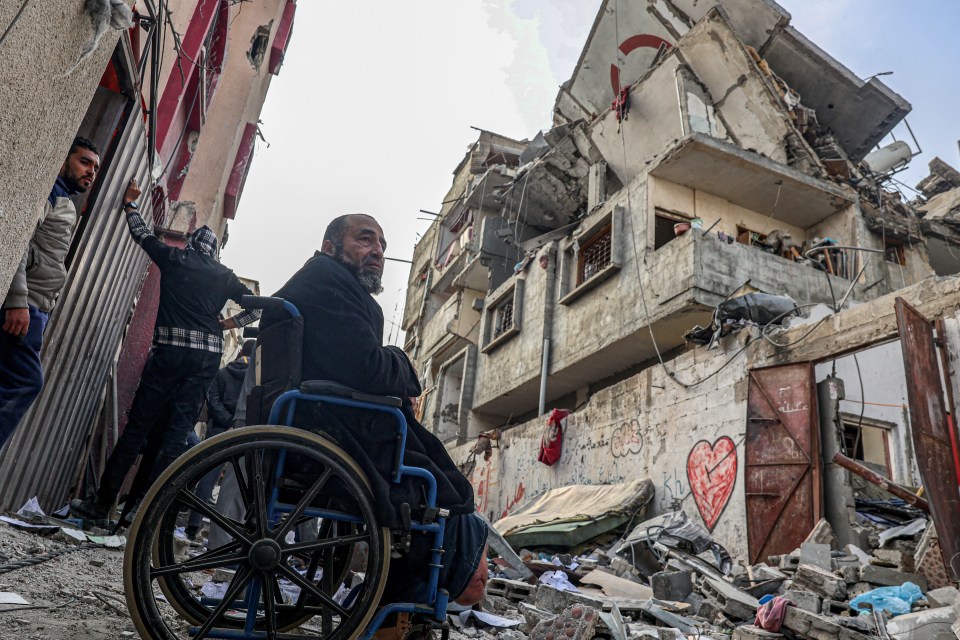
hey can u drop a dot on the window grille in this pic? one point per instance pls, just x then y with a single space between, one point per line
503 318
596 254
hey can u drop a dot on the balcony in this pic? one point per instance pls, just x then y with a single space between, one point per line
605 331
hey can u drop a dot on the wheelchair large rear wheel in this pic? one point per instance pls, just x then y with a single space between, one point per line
273 582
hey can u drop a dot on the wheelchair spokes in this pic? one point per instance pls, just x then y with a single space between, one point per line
301 513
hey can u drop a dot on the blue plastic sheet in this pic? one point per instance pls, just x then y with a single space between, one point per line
896 600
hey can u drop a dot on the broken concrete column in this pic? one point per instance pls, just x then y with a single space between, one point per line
821 582
839 507
816 554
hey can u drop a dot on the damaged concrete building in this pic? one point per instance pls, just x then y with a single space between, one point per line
701 151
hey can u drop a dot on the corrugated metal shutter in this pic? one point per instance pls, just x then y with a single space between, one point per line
82 339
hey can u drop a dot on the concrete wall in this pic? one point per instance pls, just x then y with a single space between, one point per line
41 110
647 425
237 100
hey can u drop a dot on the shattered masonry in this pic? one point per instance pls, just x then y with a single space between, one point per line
562 269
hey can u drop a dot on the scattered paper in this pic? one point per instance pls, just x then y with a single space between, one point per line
111 542
489 619
30 508
215 590
9 597
76 534
558 580
20 524
617 587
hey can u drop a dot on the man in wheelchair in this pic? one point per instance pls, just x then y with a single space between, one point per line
342 342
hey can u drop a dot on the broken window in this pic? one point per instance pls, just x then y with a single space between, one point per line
867 441
258 45
893 252
663 227
503 316
593 256
699 115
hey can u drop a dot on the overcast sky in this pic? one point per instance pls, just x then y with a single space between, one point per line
373 107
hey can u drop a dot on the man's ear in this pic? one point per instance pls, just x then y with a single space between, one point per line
328 248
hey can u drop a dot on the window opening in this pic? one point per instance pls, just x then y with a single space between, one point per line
258 45
595 254
749 236
503 318
893 252
663 227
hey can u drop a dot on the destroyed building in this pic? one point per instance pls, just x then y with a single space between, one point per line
173 101
701 152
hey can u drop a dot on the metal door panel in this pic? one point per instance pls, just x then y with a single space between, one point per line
782 459
932 437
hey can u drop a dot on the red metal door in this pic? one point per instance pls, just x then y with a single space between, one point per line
782 459
929 425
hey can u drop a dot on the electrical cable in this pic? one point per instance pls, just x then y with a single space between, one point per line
13 22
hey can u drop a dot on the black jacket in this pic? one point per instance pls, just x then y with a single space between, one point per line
343 342
223 394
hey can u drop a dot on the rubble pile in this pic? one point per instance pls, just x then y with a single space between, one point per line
668 578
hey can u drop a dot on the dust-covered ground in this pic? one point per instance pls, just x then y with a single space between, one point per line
75 596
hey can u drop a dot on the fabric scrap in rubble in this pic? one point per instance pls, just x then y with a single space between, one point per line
569 516
770 615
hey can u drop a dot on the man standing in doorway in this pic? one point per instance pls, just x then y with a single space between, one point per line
187 344
36 286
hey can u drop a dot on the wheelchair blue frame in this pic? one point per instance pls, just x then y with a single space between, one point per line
282 413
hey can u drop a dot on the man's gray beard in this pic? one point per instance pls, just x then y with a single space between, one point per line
370 282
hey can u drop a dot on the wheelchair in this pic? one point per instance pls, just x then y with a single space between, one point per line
275 584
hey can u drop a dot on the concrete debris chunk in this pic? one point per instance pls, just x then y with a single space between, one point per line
576 622
555 600
671 585
887 577
804 599
816 554
822 534
932 624
749 632
943 597
817 627
821 582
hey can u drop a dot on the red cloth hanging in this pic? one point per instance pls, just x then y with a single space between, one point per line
551 442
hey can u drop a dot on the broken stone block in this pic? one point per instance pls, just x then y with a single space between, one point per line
835 608
695 600
858 589
789 564
554 600
497 604
932 624
731 601
576 622
817 627
816 554
666 633
749 632
671 585
887 577
532 616
823 583
766 572
929 560
512 590
894 559
859 553
943 597
850 573
803 599
822 534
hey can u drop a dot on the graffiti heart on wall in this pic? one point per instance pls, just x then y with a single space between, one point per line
712 472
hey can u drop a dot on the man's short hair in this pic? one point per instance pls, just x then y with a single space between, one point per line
82 143
338 227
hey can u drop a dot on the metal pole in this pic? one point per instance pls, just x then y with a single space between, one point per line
877 479
544 364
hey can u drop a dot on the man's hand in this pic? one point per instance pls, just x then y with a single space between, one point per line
132 194
16 321
228 324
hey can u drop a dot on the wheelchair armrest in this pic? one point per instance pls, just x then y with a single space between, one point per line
331 388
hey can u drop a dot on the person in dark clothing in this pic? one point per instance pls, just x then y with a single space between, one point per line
36 286
187 344
222 397
343 342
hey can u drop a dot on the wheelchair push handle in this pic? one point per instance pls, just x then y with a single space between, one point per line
267 302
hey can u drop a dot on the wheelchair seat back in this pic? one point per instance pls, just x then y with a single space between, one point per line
279 361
